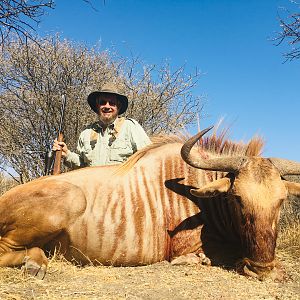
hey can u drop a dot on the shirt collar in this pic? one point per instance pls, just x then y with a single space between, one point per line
110 127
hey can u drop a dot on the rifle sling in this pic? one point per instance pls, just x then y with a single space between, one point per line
117 128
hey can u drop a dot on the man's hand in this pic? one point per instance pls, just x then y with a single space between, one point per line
60 146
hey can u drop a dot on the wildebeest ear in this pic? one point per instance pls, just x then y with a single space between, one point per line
213 188
293 188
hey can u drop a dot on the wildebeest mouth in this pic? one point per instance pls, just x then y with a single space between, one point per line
260 270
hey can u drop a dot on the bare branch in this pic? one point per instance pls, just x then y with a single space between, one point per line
290 32
20 17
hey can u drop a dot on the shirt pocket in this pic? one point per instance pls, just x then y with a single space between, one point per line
120 150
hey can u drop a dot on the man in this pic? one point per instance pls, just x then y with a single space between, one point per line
112 139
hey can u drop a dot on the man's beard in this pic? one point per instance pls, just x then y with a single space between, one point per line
107 120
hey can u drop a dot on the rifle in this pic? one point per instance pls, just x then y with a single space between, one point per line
49 155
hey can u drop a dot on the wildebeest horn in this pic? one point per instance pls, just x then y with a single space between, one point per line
226 164
285 166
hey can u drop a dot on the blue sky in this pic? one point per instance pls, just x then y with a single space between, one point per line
244 78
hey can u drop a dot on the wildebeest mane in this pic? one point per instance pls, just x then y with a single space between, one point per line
217 144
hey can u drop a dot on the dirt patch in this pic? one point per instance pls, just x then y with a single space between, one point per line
158 281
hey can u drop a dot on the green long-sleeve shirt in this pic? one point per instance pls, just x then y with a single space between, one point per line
97 147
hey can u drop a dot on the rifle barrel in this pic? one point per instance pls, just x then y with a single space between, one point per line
60 137
62 113
48 162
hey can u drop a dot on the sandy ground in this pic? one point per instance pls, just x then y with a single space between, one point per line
158 281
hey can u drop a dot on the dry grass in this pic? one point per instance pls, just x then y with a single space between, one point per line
158 281
289 238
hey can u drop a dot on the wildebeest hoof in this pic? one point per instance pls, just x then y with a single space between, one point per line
191 259
204 260
34 269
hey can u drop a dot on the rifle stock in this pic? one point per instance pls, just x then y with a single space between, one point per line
58 154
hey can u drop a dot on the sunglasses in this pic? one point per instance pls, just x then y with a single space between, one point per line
110 102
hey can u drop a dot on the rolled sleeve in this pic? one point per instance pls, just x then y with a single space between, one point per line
74 160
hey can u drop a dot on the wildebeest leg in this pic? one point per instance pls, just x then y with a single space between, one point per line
34 260
33 215
191 259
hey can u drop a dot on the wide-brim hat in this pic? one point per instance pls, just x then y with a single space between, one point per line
108 88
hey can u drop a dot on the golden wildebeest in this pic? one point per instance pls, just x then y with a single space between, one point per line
153 208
